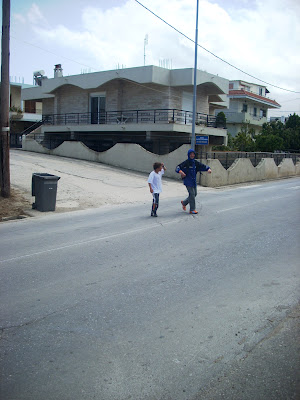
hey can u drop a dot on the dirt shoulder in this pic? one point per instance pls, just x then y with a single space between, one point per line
15 206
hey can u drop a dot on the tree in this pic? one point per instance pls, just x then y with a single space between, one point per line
221 120
230 142
269 143
292 133
278 136
222 147
293 121
244 139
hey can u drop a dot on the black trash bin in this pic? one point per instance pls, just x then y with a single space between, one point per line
44 188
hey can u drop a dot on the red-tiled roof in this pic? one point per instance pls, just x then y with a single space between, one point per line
245 93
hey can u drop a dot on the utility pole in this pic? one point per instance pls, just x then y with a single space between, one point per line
4 112
195 84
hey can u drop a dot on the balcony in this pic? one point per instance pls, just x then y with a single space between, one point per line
156 116
240 117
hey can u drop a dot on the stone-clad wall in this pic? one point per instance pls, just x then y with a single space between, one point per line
121 95
71 99
134 157
144 97
48 106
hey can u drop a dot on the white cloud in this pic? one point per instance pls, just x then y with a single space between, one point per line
35 15
19 18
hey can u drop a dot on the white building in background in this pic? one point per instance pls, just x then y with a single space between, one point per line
248 102
281 119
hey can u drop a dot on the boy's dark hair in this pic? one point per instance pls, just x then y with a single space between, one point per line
157 165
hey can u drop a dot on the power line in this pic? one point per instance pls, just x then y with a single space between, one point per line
117 73
121 78
286 101
139 84
226 62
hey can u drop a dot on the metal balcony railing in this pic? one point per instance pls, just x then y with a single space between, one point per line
156 116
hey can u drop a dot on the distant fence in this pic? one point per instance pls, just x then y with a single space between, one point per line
228 158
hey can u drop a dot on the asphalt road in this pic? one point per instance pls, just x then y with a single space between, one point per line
112 304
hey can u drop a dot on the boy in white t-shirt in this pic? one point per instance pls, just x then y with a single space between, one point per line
154 182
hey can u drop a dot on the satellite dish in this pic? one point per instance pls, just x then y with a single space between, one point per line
39 73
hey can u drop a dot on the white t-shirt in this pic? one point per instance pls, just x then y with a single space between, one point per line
155 180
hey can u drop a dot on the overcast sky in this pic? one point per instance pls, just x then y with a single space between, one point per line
261 38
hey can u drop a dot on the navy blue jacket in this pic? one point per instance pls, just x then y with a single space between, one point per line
190 168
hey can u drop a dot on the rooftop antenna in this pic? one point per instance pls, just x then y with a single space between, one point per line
145 42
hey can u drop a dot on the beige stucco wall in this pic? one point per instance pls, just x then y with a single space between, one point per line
29 144
241 170
134 157
286 168
219 177
267 169
15 96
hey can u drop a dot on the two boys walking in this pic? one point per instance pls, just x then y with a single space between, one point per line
188 170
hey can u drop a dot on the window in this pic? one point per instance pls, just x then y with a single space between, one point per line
187 101
255 111
98 105
245 87
261 91
30 106
245 107
262 113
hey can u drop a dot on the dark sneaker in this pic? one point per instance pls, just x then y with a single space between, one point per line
183 206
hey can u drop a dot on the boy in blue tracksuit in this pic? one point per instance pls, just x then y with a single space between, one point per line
188 170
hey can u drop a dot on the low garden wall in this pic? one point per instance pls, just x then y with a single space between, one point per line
136 158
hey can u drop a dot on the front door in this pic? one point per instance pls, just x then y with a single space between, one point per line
98 109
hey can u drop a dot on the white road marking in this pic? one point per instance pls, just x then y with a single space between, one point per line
251 204
156 225
249 187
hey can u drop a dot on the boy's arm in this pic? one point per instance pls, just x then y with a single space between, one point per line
164 167
151 190
178 169
203 167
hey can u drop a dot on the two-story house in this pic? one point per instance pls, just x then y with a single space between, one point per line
248 103
149 105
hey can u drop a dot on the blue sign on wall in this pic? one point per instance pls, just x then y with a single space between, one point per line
201 140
